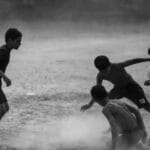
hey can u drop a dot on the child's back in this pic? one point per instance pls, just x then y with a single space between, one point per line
125 120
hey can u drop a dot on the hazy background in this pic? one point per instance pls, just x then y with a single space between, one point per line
98 10
53 70
66 16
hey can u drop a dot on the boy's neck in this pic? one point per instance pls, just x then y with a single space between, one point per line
107 99
9 47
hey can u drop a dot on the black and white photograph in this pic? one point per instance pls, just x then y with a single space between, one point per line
74 75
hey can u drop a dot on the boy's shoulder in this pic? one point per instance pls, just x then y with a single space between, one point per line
114 103
100 75
115 107
3 47
116 65
4 52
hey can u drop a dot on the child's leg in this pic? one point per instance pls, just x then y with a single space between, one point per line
136 94
143 103
129 140
130 132
4 107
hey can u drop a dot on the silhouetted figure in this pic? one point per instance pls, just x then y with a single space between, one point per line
124 84
12 41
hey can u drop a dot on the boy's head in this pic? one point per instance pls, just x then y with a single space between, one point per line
13 38
99 94
102 63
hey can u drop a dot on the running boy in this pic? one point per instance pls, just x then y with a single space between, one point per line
124 84
12 41
127 127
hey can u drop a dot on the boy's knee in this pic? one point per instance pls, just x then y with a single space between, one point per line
3 109
6 107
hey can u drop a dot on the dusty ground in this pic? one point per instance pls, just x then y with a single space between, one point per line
51 77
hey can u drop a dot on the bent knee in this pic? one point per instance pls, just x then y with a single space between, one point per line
6 107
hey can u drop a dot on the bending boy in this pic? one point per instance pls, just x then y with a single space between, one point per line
124 84
126 123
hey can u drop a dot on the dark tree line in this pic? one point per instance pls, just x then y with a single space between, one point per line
34 9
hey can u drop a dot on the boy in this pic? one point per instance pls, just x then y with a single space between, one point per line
127 127
12 41
124 84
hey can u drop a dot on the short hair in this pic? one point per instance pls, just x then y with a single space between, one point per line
12 33
101 62
98 92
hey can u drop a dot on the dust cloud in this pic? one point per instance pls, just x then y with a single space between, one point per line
74 132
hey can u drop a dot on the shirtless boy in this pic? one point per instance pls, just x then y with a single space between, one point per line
127 126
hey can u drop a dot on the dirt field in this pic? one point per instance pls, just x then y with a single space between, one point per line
52 74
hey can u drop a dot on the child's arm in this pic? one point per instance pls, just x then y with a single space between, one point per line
5 78
87 106
113 125
139 121
137 115
99 79
134 61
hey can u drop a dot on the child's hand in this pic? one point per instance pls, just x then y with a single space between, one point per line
7 81
84 107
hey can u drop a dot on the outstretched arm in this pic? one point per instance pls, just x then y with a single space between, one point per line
134 61
113 125
99 79
87 106
139 121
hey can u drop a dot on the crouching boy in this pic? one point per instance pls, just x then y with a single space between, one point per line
126 123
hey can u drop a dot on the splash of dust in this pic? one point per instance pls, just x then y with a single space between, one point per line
69 133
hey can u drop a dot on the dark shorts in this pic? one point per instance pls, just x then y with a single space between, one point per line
132 91
2 97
